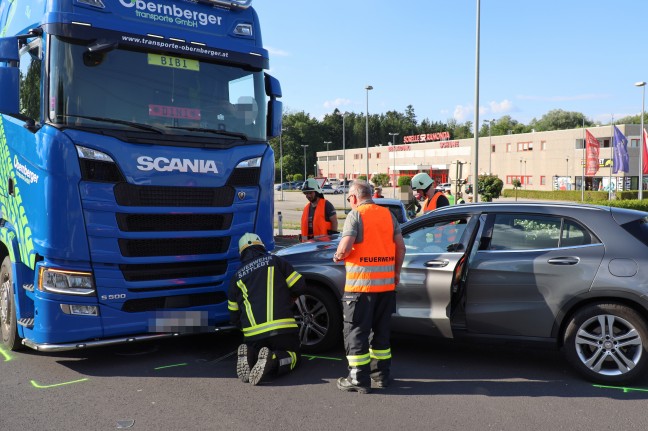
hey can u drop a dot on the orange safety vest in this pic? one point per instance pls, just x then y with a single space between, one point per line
320 225
430 204
371 265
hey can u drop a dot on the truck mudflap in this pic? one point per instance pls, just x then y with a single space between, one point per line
61 347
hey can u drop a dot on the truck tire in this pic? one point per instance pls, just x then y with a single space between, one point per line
319 316
8 324
607 343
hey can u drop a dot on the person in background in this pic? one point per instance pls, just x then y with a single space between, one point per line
373 249
422 183
460 199
413 206
450 197
319 216
378 193
260 300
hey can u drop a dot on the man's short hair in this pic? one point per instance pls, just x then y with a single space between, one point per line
362 189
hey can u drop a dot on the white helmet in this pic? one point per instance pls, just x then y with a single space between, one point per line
311 185
421 181
249 239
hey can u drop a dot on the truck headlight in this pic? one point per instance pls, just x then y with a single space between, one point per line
65 282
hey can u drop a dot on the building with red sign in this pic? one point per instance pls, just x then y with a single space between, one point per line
540 160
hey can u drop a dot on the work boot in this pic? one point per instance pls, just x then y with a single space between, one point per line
381 382
242 364
266 363
347 385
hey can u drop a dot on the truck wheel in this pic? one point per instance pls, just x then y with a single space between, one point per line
607 343
319 316
8 325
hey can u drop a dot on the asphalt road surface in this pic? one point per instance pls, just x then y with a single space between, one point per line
189 383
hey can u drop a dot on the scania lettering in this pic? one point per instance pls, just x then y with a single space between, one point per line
133 155
183 165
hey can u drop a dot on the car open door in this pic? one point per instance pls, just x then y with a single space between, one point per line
435 253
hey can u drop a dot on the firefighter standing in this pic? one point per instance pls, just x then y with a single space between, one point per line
373 250
434 198
319 216
260 303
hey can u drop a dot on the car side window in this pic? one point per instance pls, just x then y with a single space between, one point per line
438 237
573 234
525 232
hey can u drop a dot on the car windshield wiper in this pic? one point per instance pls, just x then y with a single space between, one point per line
218 132
124 122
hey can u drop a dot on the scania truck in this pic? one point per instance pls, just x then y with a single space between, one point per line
133 156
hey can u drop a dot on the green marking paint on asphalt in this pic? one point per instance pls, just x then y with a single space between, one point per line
170 366
625 390
311 357
38 386
6 355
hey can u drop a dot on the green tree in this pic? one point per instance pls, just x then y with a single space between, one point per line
489 187
558 119
380 180
516 185
633 119
405 180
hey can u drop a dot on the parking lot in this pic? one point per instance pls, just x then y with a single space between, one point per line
189 383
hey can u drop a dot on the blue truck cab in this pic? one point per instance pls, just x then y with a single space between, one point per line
133 155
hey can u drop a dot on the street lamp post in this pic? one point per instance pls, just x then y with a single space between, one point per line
281 160
368 87
305 175
490 145
568 177
344 177
393 135
641 139
314 170
328 160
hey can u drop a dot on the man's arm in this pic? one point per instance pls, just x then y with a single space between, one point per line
400 256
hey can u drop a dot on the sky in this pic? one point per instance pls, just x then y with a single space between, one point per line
535 56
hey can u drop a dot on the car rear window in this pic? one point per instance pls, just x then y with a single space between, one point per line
638 228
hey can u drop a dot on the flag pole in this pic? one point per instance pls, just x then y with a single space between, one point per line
612 157
583 181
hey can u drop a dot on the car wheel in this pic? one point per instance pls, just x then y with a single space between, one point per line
607 343
8 325
319 316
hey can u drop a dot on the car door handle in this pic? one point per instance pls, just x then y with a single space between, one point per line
436 263
563 261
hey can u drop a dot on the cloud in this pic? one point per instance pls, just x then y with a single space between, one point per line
467 112
332 104
274 52
563 98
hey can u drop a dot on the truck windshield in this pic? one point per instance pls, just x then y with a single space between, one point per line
170 93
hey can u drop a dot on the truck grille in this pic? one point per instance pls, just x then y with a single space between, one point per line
173 246
147 272
173 222
156 196
179 301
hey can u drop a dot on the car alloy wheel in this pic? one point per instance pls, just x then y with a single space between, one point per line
607 343
319 318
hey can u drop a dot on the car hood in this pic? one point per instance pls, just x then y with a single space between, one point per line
326 244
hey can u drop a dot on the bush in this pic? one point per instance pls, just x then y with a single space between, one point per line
405 180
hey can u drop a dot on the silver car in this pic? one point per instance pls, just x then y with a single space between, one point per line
573 276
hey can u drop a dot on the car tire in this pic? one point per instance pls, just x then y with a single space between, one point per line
319 315
8 325
615 356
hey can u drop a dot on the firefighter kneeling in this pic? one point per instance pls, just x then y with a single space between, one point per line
260 301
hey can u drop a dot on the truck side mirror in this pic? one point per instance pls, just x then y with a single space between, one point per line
275 107
9 76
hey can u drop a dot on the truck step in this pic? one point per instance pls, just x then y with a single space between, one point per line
27 322
28 287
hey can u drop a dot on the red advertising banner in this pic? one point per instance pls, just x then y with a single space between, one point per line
592 149
645 153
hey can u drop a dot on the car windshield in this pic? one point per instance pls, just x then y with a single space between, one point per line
125 89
